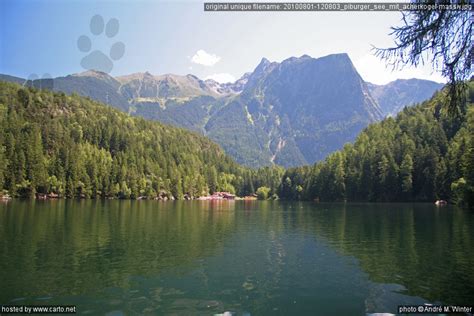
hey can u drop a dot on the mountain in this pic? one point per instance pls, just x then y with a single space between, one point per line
148 87
304 108
230 87
13 79
394 96
96 85
290 113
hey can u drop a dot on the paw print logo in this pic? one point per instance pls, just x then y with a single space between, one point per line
97 60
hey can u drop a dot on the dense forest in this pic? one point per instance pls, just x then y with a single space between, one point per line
71 146
422 154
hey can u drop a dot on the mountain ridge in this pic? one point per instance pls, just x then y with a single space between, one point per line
395 95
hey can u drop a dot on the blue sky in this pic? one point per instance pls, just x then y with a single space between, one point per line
40 36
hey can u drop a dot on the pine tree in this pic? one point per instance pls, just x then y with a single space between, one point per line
406 170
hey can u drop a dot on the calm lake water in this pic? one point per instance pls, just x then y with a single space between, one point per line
246 257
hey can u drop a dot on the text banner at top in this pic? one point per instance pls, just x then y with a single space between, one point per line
332 6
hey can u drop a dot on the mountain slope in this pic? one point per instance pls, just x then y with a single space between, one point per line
13 79
394 96
95 85
147 86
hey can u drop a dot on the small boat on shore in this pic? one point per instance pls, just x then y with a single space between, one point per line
441 203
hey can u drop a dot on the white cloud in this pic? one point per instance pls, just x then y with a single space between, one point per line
374 70
203 58
222 77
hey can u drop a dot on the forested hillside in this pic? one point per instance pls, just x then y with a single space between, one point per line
75 147
421 155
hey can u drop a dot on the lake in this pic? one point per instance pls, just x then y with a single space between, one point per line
245 257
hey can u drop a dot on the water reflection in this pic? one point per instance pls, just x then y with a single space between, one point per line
424 249
72 247
205 257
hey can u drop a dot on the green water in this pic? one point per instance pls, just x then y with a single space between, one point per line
250 258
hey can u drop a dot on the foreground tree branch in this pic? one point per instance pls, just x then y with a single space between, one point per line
440 37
